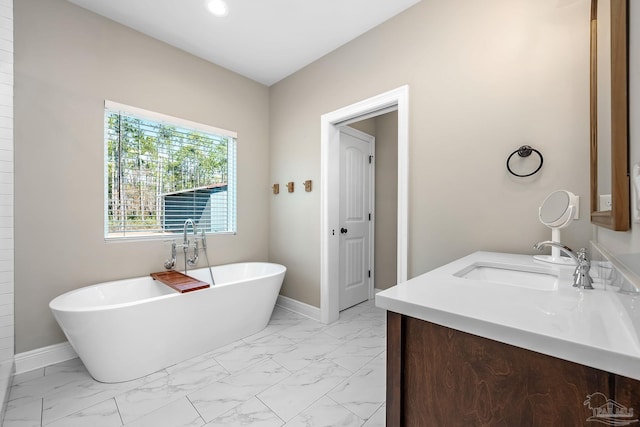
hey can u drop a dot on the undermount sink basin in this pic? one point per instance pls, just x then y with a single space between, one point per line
530 278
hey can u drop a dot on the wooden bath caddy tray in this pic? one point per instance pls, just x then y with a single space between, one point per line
178 281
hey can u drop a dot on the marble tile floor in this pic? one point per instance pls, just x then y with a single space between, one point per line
296 372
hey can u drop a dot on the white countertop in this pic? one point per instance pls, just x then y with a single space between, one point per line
591 327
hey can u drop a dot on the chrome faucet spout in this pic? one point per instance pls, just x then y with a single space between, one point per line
581 277
185 227
567 250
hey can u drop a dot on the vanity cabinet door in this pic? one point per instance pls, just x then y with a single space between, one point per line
445 377
627 395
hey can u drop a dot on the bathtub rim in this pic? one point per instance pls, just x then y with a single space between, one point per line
280 269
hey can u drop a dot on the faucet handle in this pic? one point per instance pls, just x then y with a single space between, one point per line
583 279
170 263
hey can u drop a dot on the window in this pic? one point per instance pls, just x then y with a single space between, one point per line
161 170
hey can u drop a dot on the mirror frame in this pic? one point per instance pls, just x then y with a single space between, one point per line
619 215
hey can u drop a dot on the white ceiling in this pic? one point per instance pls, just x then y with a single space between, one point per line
264 40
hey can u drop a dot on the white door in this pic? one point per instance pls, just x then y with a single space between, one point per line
356 150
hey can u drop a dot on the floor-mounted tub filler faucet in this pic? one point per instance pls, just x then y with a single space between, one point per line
186 243
581 278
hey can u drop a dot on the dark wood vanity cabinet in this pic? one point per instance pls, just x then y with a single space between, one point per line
437 376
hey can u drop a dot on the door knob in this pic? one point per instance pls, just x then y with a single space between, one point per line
343 230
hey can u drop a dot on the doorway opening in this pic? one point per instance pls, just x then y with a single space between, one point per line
397 99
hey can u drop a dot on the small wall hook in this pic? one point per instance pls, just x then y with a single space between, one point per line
290 186
307 185
276 188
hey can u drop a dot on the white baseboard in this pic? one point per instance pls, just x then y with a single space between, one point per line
303 308
45 356
299 307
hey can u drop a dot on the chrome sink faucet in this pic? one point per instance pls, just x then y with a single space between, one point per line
581 278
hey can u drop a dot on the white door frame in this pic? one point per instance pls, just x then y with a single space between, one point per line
330 184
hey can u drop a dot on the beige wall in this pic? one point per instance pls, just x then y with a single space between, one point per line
7 237
67 62
484 78
367 126
626 245
386 214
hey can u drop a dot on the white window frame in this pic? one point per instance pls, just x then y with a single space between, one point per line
180 123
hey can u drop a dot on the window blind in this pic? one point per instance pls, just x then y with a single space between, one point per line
161 171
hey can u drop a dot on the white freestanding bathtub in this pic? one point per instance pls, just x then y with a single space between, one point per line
129 328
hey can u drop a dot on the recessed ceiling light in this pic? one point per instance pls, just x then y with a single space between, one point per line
218 7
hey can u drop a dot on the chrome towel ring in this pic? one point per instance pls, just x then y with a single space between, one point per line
525 151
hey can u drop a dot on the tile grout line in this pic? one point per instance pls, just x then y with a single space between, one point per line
196 409
118 409
349 410
271 410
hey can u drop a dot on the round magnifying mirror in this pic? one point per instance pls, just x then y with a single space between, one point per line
557 211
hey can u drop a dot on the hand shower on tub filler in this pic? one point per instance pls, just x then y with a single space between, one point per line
186 244
206 255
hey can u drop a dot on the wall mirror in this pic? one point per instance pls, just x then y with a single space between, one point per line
609 114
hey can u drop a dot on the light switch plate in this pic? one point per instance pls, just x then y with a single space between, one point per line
604 202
